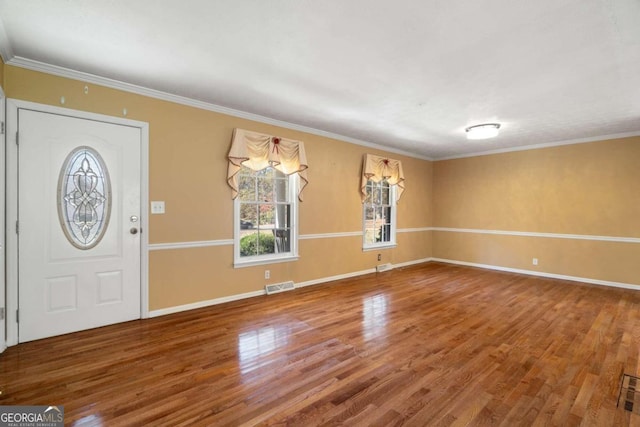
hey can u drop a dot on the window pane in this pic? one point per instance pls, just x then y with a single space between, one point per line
378 231
385 232
246 188
385 195
259 243
376 195
248 215
369 235
368 213
266 216
281 189
380 211
266 243
265 188
249 244
282 243
246 171
370 188
264 173
387 214
282 216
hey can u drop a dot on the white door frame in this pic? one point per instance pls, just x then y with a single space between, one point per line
13 105
3 285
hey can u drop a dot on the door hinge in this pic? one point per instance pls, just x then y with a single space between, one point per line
17 316
1 313
17 142
17 227
1 128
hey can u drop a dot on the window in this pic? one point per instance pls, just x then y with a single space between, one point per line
84 198
265 217
379 215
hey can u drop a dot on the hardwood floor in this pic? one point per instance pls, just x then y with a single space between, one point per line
433 344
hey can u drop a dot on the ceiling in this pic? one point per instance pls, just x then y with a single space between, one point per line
409 75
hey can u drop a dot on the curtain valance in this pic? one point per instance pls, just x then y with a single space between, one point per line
258 151
377 168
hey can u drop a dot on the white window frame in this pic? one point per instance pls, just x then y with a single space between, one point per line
292 255
393 194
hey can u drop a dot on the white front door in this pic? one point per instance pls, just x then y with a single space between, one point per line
78 221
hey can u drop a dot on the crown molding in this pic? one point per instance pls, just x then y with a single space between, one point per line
55 70
17 61
543 145
5 47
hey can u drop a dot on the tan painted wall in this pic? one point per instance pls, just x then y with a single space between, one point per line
188 147
585 189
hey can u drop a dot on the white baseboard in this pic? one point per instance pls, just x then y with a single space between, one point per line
542 274
333 278
414 262
207 303
216 301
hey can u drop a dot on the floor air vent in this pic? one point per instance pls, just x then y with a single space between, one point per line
279 287
629 396
383 267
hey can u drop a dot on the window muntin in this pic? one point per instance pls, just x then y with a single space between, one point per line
265 217
379 216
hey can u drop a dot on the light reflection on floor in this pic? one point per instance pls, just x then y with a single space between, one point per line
260 342
374 316
90 420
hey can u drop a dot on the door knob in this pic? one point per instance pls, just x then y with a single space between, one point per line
133 230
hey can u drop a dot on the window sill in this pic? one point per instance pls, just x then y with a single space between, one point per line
257 261
378 247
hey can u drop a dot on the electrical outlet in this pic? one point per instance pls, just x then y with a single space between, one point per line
379 257
535 261
267 274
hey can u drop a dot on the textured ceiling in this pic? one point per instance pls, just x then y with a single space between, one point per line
409 74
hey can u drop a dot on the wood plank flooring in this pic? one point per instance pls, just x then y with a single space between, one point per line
432 345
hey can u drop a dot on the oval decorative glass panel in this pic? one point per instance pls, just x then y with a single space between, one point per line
84 197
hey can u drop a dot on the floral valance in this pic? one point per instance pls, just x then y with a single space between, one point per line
258 151
377 168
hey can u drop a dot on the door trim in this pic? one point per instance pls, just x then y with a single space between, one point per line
11 197
3 284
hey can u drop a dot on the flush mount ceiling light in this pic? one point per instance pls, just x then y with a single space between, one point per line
483 131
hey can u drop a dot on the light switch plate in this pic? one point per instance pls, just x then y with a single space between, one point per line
157 207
